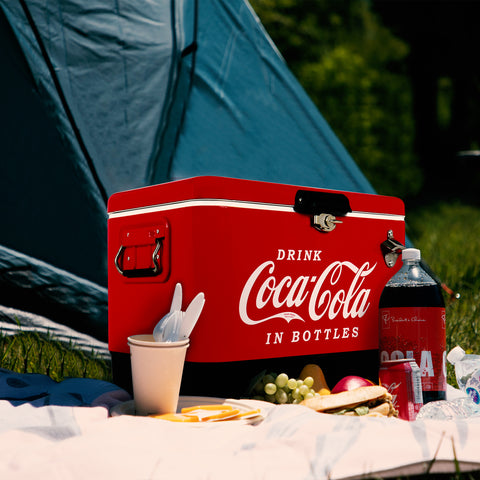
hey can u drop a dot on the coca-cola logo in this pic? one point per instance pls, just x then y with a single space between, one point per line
338 290
392 389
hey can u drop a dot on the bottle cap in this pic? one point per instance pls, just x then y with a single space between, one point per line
411 254
455 355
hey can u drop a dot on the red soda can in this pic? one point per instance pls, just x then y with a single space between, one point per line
402 378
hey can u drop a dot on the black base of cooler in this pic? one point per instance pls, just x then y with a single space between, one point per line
233 379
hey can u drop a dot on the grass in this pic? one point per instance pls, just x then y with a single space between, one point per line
32 352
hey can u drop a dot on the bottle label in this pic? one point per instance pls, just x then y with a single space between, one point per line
472 387
418 333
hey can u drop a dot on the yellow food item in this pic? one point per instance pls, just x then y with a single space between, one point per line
250 413
324 391
207 413
222 414
206 407
176 417
319 382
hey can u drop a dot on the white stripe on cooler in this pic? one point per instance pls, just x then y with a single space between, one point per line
238 204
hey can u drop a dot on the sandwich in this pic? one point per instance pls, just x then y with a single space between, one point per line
373 401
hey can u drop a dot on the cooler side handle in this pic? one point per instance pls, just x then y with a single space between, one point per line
144 251
141 272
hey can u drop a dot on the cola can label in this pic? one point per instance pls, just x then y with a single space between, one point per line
402 378
417 333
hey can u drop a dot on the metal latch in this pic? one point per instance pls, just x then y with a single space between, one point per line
391 249
323 208
325 222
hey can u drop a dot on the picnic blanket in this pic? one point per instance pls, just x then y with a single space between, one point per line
64 430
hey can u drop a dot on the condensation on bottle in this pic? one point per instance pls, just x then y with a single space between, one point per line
412 323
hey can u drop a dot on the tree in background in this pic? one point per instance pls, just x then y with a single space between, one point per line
354 71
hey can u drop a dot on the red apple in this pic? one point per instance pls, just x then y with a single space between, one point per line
350 383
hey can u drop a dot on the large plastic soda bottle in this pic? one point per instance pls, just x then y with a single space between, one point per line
412 323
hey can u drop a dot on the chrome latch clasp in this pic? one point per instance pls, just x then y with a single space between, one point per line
325 222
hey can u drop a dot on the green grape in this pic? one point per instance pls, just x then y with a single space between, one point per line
296 394
292 383
308 381
281 389
270 388
281 396
281 380
303 390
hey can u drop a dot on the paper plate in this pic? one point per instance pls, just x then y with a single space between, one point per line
128 408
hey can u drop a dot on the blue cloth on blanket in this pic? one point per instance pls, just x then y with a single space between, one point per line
40 390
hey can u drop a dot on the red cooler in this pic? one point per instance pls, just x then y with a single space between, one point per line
291 275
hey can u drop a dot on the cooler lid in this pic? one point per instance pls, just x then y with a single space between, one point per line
251 191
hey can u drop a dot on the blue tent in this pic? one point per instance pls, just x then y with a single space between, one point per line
102 96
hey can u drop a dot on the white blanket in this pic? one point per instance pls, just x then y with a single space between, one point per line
78 442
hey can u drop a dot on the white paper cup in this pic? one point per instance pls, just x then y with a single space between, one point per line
157 369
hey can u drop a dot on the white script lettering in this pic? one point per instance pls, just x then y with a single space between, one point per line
327 298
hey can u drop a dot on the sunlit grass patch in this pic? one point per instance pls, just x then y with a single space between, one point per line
33 352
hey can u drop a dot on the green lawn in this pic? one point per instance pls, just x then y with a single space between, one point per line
31 352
